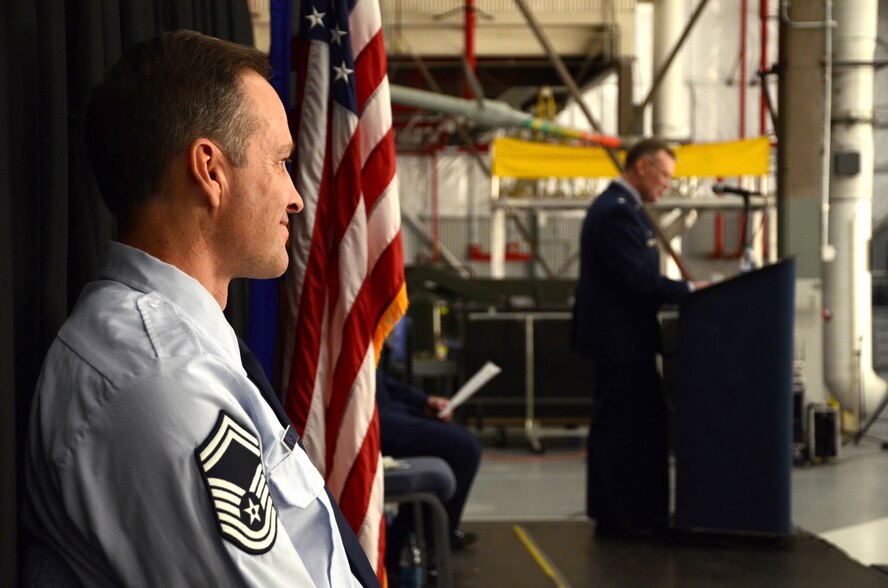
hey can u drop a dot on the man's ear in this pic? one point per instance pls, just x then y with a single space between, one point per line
207 166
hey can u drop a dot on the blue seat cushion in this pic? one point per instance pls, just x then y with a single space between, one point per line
423 474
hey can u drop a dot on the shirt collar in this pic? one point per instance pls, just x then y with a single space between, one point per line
145 273
629 188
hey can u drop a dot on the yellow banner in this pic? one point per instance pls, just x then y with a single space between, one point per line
515 158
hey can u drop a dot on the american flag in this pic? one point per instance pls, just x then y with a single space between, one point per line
345 287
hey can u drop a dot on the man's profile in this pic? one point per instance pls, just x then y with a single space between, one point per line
155 455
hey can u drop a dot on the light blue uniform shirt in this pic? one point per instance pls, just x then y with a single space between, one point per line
152 460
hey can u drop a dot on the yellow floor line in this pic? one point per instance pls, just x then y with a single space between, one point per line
540 557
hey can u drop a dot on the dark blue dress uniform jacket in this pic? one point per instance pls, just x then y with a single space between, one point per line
620 287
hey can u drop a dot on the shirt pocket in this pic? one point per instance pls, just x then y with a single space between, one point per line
296 480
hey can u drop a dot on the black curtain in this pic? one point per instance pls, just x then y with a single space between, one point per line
52 221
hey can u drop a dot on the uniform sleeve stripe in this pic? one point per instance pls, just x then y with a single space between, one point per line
223 437
257 541
227 507
258 479
241 530
225 485
226 496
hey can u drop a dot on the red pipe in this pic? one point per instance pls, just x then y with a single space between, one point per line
763 103
470 44
763 67
741 218
436 253
743 9
719 250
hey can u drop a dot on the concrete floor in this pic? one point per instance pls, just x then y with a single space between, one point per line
844 502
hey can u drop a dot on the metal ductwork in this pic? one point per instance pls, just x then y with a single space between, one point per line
847 281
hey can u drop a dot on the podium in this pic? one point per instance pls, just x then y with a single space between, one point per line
733 405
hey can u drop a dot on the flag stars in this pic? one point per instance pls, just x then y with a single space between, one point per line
336 35
315 18
342 72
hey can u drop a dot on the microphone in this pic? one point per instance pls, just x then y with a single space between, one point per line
723 189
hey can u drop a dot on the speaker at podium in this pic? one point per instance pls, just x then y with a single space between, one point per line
733 405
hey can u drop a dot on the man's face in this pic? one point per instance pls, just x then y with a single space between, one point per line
654 173
261 191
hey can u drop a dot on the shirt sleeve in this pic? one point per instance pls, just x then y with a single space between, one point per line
149 484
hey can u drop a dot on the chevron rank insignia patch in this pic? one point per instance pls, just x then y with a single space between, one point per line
230 462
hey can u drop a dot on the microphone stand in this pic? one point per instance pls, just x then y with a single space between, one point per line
746 260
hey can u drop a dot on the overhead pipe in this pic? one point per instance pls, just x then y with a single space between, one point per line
460 127
493 113
847 281
467 140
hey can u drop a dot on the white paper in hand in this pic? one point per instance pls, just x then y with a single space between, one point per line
481 377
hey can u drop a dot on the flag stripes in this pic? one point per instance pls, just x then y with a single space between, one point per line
346 282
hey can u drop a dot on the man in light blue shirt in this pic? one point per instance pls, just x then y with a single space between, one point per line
153 458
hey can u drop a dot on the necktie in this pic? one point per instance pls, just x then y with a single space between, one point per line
257 376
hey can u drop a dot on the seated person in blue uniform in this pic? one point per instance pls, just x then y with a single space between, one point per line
409 427
157 454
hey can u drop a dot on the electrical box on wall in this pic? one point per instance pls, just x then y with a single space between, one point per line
846 163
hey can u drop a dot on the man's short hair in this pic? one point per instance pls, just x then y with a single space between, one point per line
163 94
646 148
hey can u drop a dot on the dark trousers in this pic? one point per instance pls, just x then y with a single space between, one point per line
627 463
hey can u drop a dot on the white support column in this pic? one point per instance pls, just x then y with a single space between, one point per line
671 101
847 280
497 233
